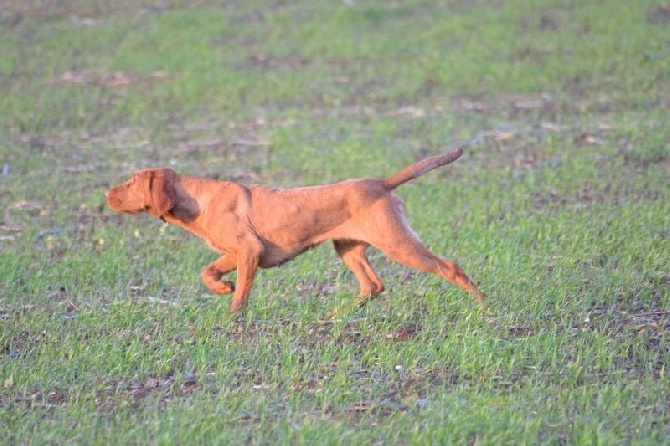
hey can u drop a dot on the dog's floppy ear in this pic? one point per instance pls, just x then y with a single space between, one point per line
161 189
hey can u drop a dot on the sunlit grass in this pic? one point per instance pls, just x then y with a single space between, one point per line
558 209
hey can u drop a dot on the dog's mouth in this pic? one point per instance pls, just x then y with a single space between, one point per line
130 211
117 204
113 202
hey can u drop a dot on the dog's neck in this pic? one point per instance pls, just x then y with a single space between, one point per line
186 208
189 204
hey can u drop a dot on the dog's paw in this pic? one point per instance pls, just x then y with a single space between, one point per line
239 307
222 287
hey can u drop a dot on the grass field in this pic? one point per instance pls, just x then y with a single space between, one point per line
559 209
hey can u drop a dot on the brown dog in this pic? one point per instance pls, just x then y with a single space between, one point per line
260 226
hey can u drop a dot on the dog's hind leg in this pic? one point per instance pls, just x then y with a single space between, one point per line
353 254
402 245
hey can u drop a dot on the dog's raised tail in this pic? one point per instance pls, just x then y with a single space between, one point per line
419 168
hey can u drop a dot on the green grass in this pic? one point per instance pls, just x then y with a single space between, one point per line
559 210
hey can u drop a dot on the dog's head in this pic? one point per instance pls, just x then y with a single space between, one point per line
148 190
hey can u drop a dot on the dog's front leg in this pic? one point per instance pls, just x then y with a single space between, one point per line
247 265
213 272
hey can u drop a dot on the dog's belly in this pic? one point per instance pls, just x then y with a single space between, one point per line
275 254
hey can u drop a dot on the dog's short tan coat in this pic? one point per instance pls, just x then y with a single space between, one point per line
259 226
